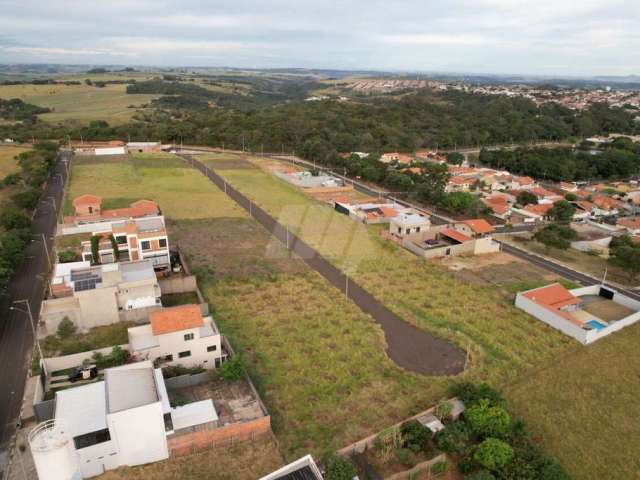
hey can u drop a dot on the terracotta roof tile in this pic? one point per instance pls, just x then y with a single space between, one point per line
174 319
455 235
479 225
87 199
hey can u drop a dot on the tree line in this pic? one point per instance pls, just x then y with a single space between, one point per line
15 215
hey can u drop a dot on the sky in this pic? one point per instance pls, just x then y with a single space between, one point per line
530 37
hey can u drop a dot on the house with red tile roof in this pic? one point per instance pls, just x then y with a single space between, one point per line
581 313
474 228
459 184
631 224
178 335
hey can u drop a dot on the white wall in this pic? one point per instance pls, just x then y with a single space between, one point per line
139 434
547 316
96 459
53 364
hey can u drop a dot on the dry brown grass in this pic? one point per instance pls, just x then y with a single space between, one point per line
245 461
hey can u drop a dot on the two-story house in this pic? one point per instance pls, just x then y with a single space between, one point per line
178 335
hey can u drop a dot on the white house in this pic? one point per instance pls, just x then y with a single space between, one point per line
178 335
304 468
121 421
408 222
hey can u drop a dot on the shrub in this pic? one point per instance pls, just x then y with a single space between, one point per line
27 199
486 420
387 442
177 370
339 468
405 456
439 467
118 356
443 410
66 328
11 179
471 393
66 256
12 219
493 454
480 475
455 438
232 370
415 436
179 401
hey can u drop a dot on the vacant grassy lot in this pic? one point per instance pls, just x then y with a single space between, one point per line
500 337
584 407
97 337
8 163
81 103
317 359
182 193
581 261
246 461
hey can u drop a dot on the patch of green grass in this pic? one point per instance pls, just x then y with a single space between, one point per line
477 317
117 202
584 407
8 164
79 103
175 299
98 337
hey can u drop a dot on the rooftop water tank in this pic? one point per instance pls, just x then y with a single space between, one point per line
53 452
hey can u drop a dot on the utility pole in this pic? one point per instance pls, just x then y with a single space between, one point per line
33 326
44 243
243 143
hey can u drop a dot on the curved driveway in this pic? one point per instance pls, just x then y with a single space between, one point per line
408 346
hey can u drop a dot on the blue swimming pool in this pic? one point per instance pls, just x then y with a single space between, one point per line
596 325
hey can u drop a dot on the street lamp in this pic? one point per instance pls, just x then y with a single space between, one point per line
33 326
44 243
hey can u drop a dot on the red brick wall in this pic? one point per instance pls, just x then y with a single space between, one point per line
235 432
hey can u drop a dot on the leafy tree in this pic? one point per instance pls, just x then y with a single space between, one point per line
432 183
487 420
480 475
27 199
339 468
455 438
443 410
627 257
66 328
415 436
464 203
472 393
562 211
12 219
570 197
67 256
455 158
556 236
493 454
525 198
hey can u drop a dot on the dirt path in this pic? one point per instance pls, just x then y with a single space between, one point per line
408 346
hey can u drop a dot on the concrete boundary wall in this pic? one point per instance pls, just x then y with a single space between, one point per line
188 380
63 362
551 319
178 284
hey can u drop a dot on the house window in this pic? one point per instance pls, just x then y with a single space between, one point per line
162 242
212 348
121 240
188 336
408 231
168 358
145 245
417 229
399 229
186 353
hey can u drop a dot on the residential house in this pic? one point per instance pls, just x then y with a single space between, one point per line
90 214
178 335
91 296
390 157
535 213
475 228
584 210
137 239
606 206
123 420
371 213
631 224
499 205
586 314
568 187
459 183
408 222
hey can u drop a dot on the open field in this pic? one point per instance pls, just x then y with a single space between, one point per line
318 361
8 164
246 461
81 103
500 337
580 261
584 408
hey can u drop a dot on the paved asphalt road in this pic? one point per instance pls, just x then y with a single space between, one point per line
16 334
561 269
